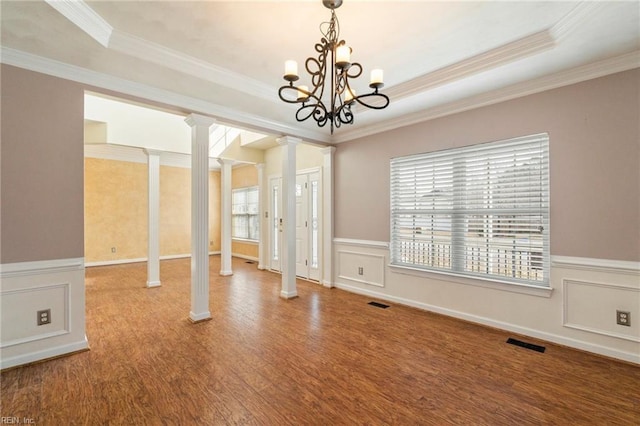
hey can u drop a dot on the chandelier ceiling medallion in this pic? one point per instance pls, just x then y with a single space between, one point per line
331 67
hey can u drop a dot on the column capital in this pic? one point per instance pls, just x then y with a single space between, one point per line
288 140
151 152
199 120
328 150
226 161
259 166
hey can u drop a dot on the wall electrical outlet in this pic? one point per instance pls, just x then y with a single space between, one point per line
113 249
360 270
623 318
44 317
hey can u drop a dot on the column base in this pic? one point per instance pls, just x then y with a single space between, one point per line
327 284
196 318
151 284
288 294
226 273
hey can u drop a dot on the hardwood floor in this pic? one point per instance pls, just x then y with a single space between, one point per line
326 358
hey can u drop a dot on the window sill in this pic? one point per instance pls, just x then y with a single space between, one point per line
531 290
243 240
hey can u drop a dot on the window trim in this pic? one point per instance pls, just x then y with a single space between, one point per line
246 190
488 282
400 167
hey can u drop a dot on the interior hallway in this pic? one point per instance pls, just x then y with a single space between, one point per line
326 357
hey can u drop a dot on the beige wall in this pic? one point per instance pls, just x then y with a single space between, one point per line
242 177
116 210
307 157
41 167
594 164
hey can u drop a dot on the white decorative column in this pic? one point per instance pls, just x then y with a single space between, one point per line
199 216
263 223
288 260
153 234
327 216
225 214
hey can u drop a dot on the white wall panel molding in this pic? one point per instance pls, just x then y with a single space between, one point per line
362 243
8 270
596 265
550 337
54 294
29 287
591 307
365 268
490 283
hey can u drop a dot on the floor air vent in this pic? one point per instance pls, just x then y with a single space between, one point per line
379 305
531 346
250 262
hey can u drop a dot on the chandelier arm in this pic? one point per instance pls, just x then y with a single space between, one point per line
374 95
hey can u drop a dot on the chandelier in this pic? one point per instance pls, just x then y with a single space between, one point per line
331 67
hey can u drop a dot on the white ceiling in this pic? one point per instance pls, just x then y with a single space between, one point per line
226 58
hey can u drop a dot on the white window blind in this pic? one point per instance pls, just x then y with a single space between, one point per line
480 211
244 213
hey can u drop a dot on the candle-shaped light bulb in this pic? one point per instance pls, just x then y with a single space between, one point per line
343 55
349 95
302 95
376 77
290 69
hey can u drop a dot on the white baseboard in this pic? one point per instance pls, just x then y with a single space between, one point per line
141 259
554 338
44 354
244 256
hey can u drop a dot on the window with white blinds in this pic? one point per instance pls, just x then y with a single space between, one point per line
479 211
244 213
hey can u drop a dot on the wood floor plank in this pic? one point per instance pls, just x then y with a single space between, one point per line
326 357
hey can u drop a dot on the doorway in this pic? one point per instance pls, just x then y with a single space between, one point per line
307 191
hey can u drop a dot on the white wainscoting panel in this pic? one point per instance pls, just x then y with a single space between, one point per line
25 289
20 326
592 307
361 267
579 310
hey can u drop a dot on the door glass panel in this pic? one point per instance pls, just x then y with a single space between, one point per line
314 224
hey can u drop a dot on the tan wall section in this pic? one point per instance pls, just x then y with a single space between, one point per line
244 176
175 211
116 210
242 249
594 164
214 211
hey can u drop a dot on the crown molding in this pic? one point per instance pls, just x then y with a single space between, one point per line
96 79
576 18
84 18
564 78
89 21
493 58
169 58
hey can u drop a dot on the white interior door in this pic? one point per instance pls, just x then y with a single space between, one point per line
307 218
